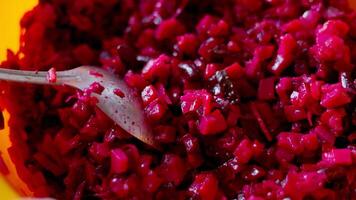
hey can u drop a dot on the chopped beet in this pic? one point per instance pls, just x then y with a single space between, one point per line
210 70
96 88
172 169
235 71
290 142
119 93
255 110
338 157
95 73
157 68
151 182
187 44
299 185
193 101
294 113
212 123
266 89
168 29
119 161
205 186
244 151
285 54
155 110
148 94
165 134
52 75
334 95
249 99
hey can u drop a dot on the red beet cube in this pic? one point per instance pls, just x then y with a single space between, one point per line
148 94
119 161
244 151
291 142
285 54
334 96
155 110
152 181
310 142
157 68
135 80
334 27
210 70
199 100
235 71
187 44
52 75
338 157
212 123
168 29
294 113
205 186
266 89
172 169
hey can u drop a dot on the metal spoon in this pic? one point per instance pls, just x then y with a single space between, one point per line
124 109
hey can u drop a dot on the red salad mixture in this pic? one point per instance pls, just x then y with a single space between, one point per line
249 99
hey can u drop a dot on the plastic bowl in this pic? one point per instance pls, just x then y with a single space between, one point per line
10 15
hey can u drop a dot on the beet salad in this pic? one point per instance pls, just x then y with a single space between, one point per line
248 100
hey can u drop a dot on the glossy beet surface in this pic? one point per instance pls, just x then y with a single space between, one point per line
249 99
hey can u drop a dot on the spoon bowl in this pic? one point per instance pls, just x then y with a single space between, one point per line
116 100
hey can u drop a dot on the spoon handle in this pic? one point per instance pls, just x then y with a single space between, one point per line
37 77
